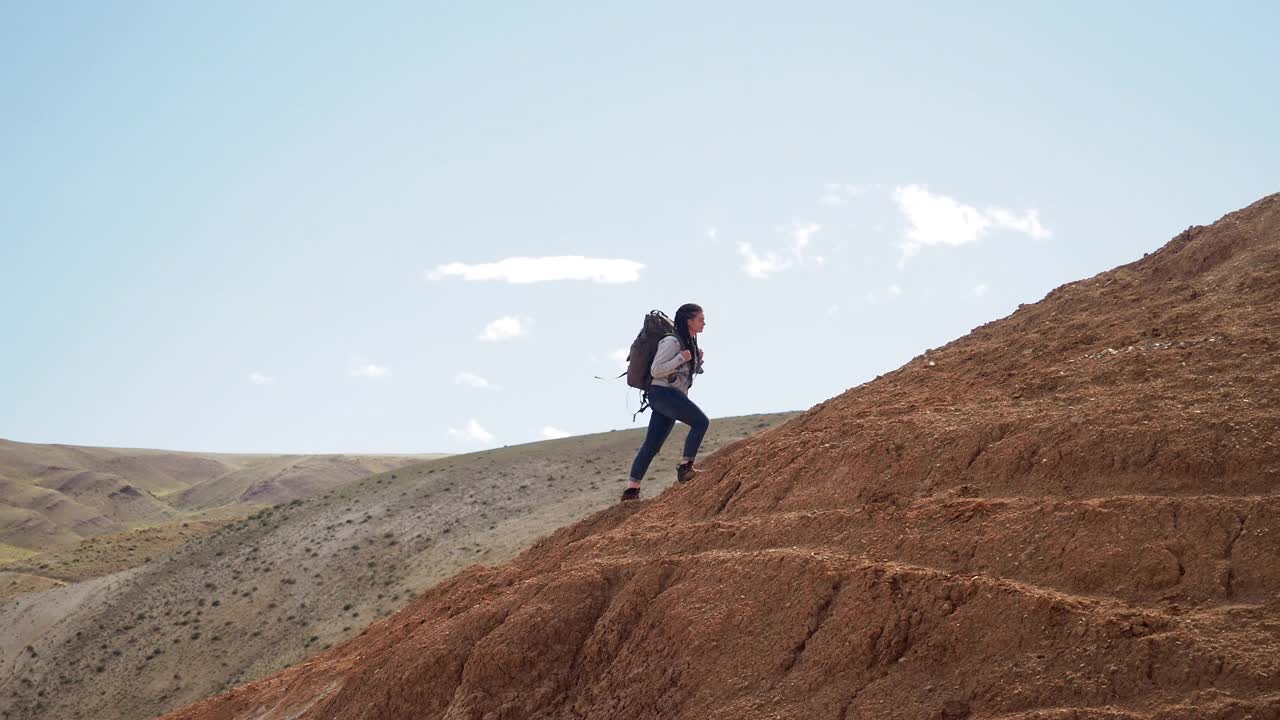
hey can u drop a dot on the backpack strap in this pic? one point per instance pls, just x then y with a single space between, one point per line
693 359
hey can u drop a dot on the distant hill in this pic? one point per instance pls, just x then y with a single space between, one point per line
281 479
273 589
53 496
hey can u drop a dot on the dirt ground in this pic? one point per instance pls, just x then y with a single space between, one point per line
1069 513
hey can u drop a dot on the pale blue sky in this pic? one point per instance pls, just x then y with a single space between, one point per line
219 224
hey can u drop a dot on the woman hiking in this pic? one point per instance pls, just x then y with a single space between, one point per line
675 363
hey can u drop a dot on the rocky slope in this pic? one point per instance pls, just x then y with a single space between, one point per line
1068 513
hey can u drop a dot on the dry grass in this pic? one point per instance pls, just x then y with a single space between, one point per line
10 553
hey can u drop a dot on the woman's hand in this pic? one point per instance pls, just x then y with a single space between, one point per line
686 355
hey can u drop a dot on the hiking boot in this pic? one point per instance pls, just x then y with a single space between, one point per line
686 472
631 494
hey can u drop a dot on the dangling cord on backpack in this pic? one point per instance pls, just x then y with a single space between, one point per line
644 404
644 397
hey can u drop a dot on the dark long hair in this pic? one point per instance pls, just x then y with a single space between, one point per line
690 343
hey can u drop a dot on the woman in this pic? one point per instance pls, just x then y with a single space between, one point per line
673 369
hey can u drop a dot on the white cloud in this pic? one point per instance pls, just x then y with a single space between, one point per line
712 233
980 289
1028 223
895 289
940 220
760 267
840 193
937 219
505 328
872 299
620 356
258 378
832 310
551 433
545 269
472 433
370 370
475 381
800 236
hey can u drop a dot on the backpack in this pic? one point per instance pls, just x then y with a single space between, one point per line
656 326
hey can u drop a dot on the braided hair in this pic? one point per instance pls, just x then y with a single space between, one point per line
686 313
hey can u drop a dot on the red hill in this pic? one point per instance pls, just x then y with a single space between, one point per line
1068 513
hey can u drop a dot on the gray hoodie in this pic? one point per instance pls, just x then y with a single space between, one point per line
668 368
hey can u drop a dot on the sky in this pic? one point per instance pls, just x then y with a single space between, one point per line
428 227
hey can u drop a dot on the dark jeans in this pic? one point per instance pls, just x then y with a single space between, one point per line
666 407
